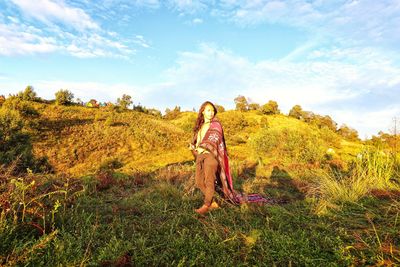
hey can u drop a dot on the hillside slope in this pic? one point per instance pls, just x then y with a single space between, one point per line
77 140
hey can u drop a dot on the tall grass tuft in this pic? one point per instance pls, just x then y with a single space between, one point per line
376 169
371 169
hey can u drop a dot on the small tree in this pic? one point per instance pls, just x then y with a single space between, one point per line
172 114
241 103
219 108
64 97
28 94
270 108
296 112
348 133
254 106
124 102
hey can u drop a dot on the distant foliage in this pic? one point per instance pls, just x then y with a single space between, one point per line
110 120
124 102
297 112
151 111
312 118
348 133
14 142
172 114
64 97
385 140
241 103
186 121
296 144
270 108
152 135
219 108
28 94
233 122
254 106
23 107
2 99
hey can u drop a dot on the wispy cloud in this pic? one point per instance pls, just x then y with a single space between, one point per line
57 11
315 85
140 40
188 6
57 27
359 21
20 39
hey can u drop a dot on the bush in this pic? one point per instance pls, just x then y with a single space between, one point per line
23 107
28 94
64 97
124 102
270 108
172 114
295 144
14 143
241 103
233 122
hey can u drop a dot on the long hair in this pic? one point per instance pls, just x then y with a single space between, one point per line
200 116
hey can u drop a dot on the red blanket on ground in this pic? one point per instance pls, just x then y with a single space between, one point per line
214 142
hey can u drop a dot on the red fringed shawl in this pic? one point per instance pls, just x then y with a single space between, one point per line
214 142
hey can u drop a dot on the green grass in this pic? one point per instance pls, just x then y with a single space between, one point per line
153 223
130 200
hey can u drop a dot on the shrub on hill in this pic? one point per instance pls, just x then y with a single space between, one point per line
28 94
301 145
64 97
14 142
233 122
23 107
270 108
152 135
172 114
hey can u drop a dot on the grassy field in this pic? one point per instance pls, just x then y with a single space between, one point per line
121 193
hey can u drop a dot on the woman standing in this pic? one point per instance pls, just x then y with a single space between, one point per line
212 164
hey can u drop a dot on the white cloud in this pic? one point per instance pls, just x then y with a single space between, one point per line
20 40
56 11
140 40
188 6
360 21
319 86
197 21
23 36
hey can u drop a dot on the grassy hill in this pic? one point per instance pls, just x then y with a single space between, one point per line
121 193
76 140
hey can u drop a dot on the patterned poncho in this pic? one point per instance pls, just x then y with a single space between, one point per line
214 142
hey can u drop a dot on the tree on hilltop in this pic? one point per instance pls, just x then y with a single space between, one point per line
172 114
28 94
219 108
64 97
348 133
254 106
270 108
124 102
296 112
241 103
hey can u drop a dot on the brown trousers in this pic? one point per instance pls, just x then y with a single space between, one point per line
206 169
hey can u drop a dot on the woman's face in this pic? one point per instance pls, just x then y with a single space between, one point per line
208 112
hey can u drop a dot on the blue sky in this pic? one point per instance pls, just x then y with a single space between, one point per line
337 58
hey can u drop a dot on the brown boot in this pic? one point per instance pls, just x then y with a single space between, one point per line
202 210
